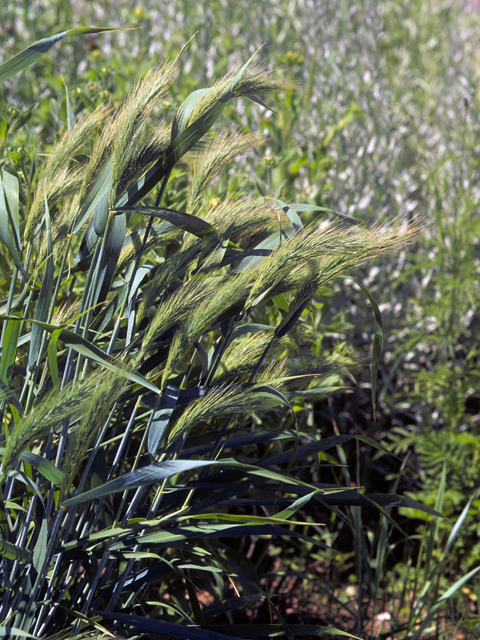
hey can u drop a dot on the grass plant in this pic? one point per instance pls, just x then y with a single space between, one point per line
144 353
383 122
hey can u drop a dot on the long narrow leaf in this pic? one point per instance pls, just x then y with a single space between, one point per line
36 50
377 341
165 628
161 418
46 468
85 348
147 475
179 219
45 298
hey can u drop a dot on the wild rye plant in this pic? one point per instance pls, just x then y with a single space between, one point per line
142 365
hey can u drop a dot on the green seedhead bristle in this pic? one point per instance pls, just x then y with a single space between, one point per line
256 81
224 293
254 219
174 308
48 414
288 372
128 126
217 403
99 407
66 312
157 238
59 178
241 357
315 256
168 278
223 149
149 147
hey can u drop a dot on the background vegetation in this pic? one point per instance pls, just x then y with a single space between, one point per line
381 124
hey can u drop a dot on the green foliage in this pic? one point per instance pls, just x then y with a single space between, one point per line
141 343
396 84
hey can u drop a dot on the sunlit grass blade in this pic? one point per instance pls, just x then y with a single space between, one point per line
6 225
85 348
11 190
36 50
147 475
44 466
45 298
160 418
12 552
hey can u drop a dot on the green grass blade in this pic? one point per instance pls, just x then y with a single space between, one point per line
52 358
291 212
147 475
377 341
161 417
36 50
12 192
9 347
112 246
185 221
101 188
40 551
70 116
85 348
269 244
434 527
165 628
6 231
183 114
12 552
311 207
12 398
256 630
45 298
459 524
13 631
44 466
441 602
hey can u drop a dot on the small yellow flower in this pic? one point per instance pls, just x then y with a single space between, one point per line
139 13
214 202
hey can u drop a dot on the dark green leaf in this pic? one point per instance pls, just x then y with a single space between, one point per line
377 341
276 630
184 221
6 229
12 190
9 347
100 189
291 213
165 628
40 550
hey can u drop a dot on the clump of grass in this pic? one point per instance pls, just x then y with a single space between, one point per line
168 354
